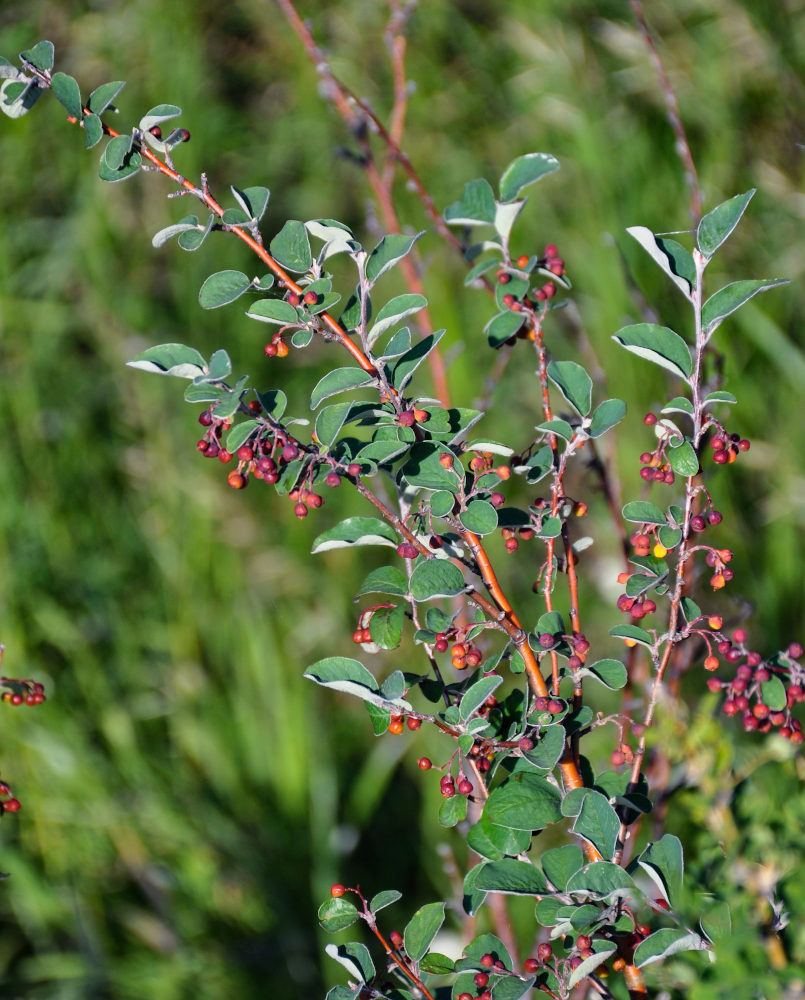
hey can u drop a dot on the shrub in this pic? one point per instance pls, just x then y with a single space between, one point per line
516 698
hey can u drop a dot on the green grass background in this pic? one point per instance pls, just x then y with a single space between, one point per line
187 797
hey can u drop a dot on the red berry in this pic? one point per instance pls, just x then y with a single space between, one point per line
11 805
236 480
354 469
244 453
721 457
531 965
497 499
185 135
205 418
300 510
795 651
224 455
337 890
156 131
544 952
480 979
396 725
714 517
270 350
649 420
413 723
440 645
555 706
743 445
464 787
424 763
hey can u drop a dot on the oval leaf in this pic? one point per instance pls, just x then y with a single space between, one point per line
526 803
574 383
658 344
598 823
356 531
731 297
223 287
606 415
518 878
525 170
339 380
717 225
387 253
436 578
422 929
665 942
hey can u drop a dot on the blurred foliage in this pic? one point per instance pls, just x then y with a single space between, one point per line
187 797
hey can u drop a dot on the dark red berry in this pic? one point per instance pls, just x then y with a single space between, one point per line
714 517
12 805
480 979
544 952
531 965
354 469
424 763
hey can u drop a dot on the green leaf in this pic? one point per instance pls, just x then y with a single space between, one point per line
476 207
380 717
291 247
329 422
598 823
387 253
574 383
156 116
356 531
480 517
606 415
384 899
422 929
386 627
717 225
528 802
525 170
476 694
441 503
253 200
66 91
716 924
665 942
184 225
600 879
453 810
93 131
339 380
561 863
223 287
405 367
603 950
560 427
423 468
100 98
506 214
548 749
495 842
664 863
719 396
517 878
659 345
773 694
503 326
40 56
341 673
643 512
632 632
611 673
239 434
273 402
731 297
170 359
679 404
683 460
436 964
394 685
673 258
355 958
18 97
119 161
393 312
436 578
273 311
195 238
336 914
117 151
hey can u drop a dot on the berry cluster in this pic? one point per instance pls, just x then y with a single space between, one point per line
656 467
22 692
746 694
8 804
727 446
